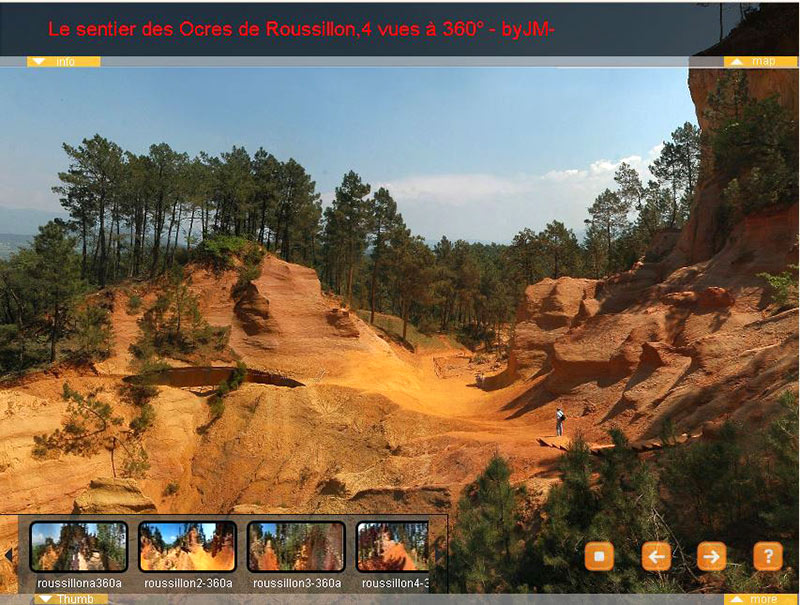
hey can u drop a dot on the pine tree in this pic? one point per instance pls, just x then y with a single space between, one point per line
347 225
384 220
486 545
610 217
55 272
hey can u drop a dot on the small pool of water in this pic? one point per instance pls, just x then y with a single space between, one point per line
212 376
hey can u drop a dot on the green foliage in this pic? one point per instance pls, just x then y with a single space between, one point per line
740 487
216 405
609 214
134 304
94 336
552 252
111 543
19 351
754 144
249 270
486 545
174 326
475 336
145 419
171 489
87 427
393 326
91 426
783 285
782 443
222 251
138 393
347 225
135 462
237 377
216 402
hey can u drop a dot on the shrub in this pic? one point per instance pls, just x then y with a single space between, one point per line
238 375
173 326
171 489
93 333
217 406
247 273
135 462
144 420
738 488
754 145
219 251
473 336
216 402
138 394
486 544
427 325
783 285
18 351
134 304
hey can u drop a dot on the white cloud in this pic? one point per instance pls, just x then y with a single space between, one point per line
456 189
482 206
491 207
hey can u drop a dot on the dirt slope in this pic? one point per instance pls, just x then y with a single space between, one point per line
375 427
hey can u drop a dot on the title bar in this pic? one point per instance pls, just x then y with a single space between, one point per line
391 29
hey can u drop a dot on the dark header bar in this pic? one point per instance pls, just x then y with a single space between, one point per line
392 29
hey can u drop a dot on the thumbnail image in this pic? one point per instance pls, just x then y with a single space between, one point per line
187 546
295 547
401 546
76 547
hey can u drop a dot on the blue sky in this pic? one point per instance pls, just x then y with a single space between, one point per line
477 153
42 531
171 531
269 528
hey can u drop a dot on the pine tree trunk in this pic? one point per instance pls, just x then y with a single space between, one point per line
189 234
83 247
102 268
53 334
372 288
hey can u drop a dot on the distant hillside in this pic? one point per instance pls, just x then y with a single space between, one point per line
10 242
26 221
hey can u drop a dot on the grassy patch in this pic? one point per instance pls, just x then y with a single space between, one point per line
393 326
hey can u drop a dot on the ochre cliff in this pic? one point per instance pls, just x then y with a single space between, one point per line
691 338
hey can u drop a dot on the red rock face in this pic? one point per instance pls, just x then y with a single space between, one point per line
715 297
252 310
687 336
549 309
699 240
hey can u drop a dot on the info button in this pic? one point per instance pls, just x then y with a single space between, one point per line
63 61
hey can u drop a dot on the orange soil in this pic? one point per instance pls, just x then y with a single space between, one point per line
394 558
180 560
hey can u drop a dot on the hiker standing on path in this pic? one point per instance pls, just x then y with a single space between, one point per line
560 418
